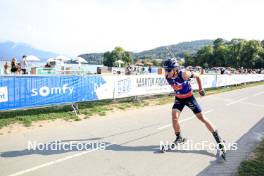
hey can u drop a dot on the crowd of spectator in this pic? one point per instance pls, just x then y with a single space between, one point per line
22 68
16 67
226 70
137 69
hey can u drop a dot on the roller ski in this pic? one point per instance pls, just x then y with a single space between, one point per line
178 141
221 149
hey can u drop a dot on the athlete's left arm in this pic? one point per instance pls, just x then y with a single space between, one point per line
187 75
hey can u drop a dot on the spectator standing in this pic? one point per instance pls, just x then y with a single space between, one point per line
13 66
6 66
128 69
222 71
19 68
24 65
150 69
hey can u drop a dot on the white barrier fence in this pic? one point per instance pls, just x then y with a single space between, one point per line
126 86
35 91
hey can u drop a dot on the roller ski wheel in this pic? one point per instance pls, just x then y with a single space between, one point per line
221 151
175 143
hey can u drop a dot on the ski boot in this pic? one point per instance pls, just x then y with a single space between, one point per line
177 141
221 150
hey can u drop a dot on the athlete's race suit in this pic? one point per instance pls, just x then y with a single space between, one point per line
183 94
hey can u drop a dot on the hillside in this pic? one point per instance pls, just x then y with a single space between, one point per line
8 50
162 52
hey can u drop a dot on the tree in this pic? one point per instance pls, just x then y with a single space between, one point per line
204 55
157 62
236 53
259 62
236 47
262 43
220 56
250 53
108 59
188 59
218 42
117 54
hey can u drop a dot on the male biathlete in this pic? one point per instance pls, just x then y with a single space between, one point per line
180 82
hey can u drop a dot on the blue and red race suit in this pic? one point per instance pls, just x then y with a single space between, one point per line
183 93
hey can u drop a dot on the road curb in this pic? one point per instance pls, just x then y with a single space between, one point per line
246 144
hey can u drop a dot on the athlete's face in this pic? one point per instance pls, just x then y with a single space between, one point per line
171 73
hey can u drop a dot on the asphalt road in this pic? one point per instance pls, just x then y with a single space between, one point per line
132 140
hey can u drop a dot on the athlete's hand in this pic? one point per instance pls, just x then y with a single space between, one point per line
202 92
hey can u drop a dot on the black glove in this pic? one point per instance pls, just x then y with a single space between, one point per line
202 92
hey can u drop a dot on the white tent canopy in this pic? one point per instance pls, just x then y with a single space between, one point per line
51 60
62 58
119 62
80 60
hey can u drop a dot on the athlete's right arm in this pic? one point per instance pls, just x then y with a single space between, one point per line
187 75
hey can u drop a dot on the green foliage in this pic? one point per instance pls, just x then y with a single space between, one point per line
109 58
218 42
178 50
254 166
236 53
157 62
189 60
204 55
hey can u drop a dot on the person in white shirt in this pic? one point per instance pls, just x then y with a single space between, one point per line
24 65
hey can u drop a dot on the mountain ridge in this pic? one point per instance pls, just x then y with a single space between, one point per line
9 50
161 52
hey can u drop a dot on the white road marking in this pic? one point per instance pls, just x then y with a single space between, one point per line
183 120
163 127
253 104
260 93
56 161
236 101
222 99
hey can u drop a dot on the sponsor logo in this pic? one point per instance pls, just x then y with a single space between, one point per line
46 91
177 87
3 94
124 86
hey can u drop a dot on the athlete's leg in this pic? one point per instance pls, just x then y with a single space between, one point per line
205 121
195 107
175 114
175 120
214 132
211 128
176 111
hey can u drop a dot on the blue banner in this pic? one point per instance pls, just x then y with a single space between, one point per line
32 91
18 92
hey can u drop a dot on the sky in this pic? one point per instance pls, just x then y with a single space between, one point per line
74 27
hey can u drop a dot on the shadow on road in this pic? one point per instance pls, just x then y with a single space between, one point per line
246 144
94 144
155 149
